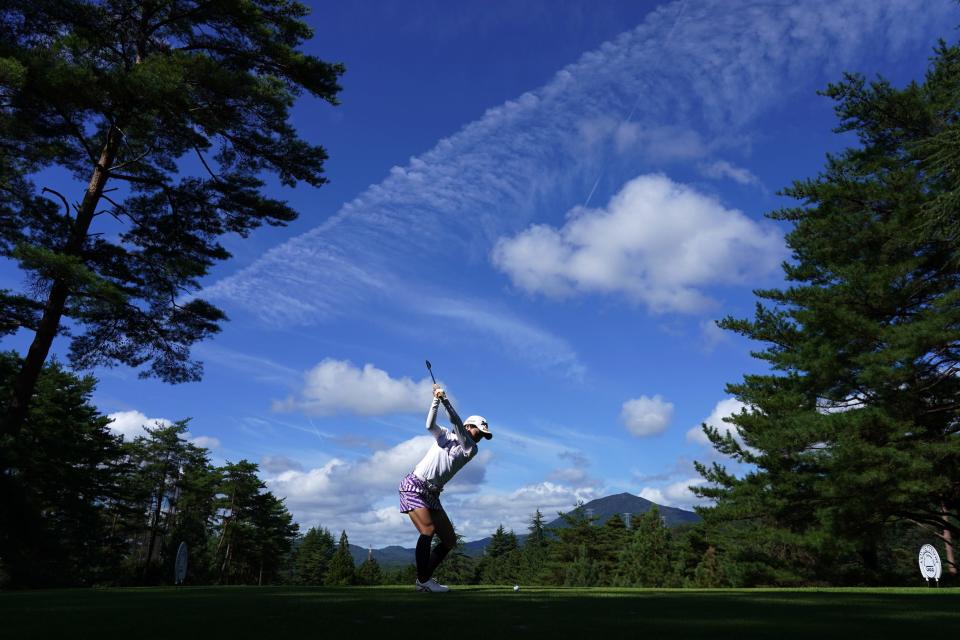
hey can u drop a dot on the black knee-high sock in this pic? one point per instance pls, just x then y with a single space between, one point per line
423 558
436 557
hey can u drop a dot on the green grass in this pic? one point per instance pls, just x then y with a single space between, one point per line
492 613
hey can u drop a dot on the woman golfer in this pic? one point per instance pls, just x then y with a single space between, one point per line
420 490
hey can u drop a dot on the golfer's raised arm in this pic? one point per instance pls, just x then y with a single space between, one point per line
458 429
432 425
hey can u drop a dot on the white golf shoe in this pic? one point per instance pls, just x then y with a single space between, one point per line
432 586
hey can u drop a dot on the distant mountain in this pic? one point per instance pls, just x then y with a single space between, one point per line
602 508
392 557
623 503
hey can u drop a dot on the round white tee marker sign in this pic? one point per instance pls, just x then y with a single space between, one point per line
929 562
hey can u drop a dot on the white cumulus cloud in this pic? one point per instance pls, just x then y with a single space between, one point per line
338 386
725 408
675 494
657 242
205 442
130 424
645 416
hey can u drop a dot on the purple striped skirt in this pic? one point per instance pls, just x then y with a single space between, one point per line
415 494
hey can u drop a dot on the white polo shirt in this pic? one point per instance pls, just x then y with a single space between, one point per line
451 451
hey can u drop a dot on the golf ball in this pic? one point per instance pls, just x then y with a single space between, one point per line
516 587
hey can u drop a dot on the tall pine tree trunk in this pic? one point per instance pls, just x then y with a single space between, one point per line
26 380
948 543
155 524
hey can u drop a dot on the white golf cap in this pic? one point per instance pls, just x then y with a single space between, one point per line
480 423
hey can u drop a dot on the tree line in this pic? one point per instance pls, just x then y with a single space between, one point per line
95 509
580 553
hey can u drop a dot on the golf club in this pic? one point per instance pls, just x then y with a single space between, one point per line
430 369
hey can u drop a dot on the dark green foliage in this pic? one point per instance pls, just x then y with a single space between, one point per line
709 573
855 428
645 560
255 529
574 552
54 504
341 570
369 572
312 556
457 567
501 560
167 115
612 539
535 551
156 488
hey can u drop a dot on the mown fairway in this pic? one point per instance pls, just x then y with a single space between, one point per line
477 612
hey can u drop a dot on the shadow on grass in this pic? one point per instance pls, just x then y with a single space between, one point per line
476 612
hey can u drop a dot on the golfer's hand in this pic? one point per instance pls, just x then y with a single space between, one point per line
438 392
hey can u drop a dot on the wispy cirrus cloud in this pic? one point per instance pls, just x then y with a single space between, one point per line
700 69
523 340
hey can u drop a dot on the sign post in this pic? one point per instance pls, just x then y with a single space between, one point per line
930 563
180 568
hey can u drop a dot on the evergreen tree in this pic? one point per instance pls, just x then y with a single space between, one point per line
55 525
535 551
613 537
192 519
342 571
500 562
159 460
134 96
575 551
313 556
369 572
645 560
709 573
583 569
249 522
274 532
856 425
457 567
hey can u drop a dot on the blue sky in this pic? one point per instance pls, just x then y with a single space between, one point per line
553 202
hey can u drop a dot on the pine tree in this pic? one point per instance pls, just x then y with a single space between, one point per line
55 509
254 532
313 556
645 560
709 573
577 542
192 518
583 570
856 425
341 571
158 459
167 115
612 538
457 567
274 532
535 551
500 563
369 572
